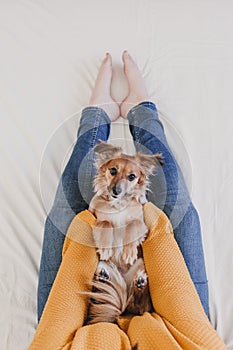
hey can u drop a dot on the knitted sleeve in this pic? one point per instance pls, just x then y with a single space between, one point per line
179 322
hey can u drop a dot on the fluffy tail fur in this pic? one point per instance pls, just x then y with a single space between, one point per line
108 299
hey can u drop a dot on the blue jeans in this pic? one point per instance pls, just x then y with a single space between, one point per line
168 192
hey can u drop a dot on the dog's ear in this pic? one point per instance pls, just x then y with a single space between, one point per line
107 151
149 163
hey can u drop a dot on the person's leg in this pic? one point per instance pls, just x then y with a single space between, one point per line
169 191
75 188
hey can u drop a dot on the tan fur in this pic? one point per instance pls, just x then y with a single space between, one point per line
109 298
120 185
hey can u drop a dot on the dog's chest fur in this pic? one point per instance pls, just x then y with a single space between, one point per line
119 212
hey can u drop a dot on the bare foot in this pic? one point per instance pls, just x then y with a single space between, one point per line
101 95
137 88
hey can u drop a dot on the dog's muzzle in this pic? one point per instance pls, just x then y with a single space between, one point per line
116 190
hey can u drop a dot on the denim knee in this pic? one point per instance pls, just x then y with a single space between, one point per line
190 243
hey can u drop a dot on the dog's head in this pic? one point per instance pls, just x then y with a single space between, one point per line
120 175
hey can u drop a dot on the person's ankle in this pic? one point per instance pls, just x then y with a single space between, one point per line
101 94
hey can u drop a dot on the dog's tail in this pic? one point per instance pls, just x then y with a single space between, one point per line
108 299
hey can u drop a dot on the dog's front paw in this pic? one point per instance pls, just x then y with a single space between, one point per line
105 253
129 254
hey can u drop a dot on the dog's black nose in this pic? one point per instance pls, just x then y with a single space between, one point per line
116 190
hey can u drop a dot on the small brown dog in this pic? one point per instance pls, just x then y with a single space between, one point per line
120 282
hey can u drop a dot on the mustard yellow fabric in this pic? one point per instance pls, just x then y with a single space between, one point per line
179 321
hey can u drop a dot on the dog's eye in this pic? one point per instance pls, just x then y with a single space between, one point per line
113 171
131 177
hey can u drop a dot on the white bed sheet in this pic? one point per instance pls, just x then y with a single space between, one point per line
50 54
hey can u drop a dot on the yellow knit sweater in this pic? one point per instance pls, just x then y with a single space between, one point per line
178 323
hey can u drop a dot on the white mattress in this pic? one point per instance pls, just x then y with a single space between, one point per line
50 55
